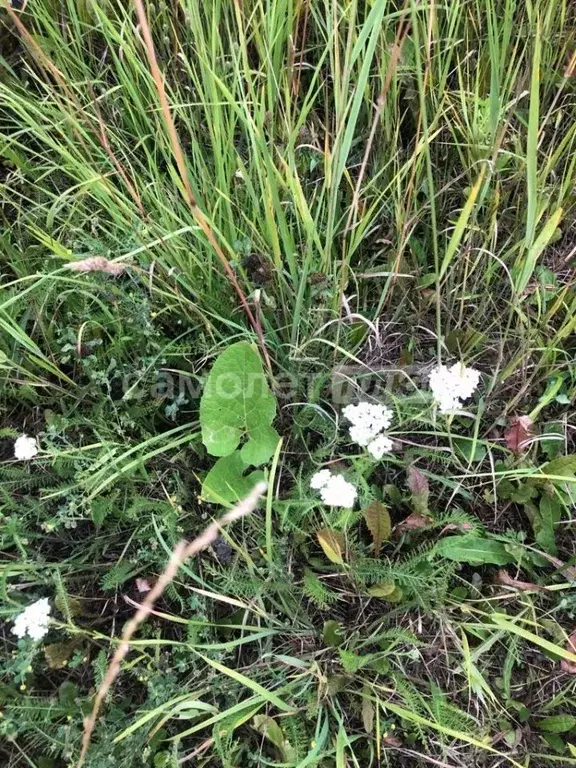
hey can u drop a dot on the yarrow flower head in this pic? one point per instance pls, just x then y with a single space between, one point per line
452 385
320 479
369 420
379 446
335 490
25 448
33 621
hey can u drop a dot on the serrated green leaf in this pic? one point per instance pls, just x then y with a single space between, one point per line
226 482
473 549
557 723
333 544
237 403
377 519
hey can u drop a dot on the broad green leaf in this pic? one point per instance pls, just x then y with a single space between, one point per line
557 723
382 589
238 403
549 513
473 549
332 633
333 544
395 596
377 519
260 447
471 450
563 466
552 439
226 482
269 728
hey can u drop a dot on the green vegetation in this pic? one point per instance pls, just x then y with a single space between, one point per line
221 222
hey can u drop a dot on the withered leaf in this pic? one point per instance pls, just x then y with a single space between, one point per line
519 433
464 527
413 522
418 484
505 578
377 519
565 664
58 654
417 481
333 544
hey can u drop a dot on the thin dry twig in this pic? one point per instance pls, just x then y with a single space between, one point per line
183 171
182 552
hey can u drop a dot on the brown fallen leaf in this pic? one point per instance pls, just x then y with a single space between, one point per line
413 522
519 433
97 264
464 527
569 666
504 577
417 481
391 741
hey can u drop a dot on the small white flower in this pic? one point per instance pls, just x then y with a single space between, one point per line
320 479
379 446
368 421
25 448
338 492
33 621
335 490
452 385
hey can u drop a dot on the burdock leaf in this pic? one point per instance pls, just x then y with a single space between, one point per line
226 482
237 403
377 519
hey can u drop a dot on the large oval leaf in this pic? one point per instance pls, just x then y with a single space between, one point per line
473 550
237 403
226 482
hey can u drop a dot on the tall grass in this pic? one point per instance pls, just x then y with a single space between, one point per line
380 184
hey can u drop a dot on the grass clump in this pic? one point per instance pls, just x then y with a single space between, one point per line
322 202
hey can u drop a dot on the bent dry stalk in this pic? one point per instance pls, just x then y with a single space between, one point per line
182 552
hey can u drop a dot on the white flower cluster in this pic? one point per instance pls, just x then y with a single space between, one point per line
33 621
25 448
452 385
335 490
369 420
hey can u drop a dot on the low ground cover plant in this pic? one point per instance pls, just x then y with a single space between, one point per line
325 247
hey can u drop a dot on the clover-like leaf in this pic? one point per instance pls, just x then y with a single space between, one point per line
238 403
